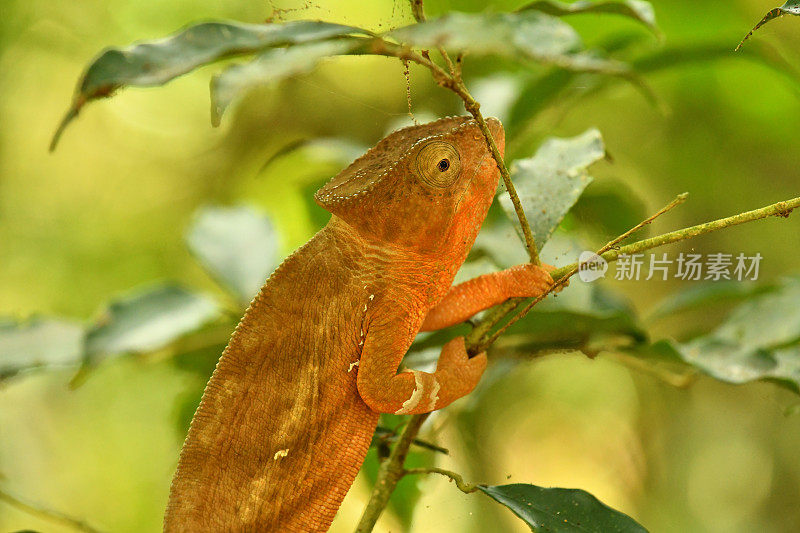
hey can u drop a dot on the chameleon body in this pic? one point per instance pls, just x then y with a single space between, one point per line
289 413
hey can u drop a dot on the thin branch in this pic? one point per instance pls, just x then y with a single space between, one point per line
463 486
779 209
389 473
561 280
390 435
46 514
609 254
453 82
474 108
478 339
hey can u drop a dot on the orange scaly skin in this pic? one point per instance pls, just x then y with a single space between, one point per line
287 417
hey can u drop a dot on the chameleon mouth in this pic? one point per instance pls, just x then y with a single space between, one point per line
361 176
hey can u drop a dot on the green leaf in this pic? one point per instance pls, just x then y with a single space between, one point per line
734 363
760 340
792 7
707 294
237 245
39 343
769 320
525 35
555 510
148 320
636 9
550 182
156 62
272 66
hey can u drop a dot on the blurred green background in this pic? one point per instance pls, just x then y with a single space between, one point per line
109 209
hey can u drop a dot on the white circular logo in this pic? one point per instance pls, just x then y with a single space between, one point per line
591 266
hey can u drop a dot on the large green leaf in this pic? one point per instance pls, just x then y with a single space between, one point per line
638 10
39 343
148 320
550 182
555 510
156 62
271 66
237 245
792 7
525 35
759 340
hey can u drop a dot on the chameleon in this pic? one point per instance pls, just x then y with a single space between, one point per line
288 415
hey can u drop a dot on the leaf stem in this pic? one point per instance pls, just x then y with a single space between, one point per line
463 486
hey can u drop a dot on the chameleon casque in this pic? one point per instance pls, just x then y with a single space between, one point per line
289 413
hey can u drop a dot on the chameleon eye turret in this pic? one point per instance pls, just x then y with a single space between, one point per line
438 164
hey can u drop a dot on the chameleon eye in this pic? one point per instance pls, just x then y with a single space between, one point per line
438 164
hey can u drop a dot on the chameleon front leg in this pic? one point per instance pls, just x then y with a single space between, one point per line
415 392
385 390
466 299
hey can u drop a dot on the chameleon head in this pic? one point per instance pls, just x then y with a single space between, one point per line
426 187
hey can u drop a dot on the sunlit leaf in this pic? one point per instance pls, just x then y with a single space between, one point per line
39 343
792 7
148 320
525 35
550 182
271 66
156 62
636 9
237 245
555 510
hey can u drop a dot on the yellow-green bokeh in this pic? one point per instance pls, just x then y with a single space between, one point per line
108 210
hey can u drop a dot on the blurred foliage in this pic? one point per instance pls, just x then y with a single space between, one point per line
109 211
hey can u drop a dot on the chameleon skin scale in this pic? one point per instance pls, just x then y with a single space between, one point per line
289 413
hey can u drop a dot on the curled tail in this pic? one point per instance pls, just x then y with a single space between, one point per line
278 439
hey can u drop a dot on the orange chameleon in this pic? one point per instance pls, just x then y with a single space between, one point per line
289 413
